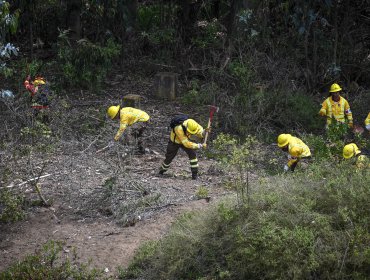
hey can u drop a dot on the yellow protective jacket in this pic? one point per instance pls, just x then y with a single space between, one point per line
367 122
304 150
179 136
129 116
336 110
362 162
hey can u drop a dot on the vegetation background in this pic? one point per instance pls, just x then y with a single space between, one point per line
268 65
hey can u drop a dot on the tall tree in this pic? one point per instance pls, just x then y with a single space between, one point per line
74 8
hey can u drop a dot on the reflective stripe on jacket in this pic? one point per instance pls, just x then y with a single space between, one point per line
129 116
336 110
178 136
305 150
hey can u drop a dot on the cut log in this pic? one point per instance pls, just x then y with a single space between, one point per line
165 85
132 100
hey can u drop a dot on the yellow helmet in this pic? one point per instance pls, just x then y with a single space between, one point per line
283 140
39 81
296 151
350 150
113 111
192 126
335 87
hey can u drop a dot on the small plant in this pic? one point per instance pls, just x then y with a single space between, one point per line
50 264
202 192
11 207
337 131
109 184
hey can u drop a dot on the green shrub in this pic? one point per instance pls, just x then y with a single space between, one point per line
11 206
140 261
49 264
199 94
86 64
307 225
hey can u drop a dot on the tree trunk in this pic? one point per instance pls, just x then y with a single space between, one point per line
73 19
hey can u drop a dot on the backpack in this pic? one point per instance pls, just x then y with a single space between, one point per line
177 120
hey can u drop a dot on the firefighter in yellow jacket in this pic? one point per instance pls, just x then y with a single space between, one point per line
367 122
129 116
296 149
362 158
180 137
336 107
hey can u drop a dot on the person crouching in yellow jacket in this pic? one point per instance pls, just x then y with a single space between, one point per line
180 137
129 116
362 158
336 107
296 149
367 122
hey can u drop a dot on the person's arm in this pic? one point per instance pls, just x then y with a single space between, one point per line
367 122
122 128
184 140
348 112
323 109
29 86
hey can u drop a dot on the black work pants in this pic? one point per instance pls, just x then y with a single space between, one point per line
172 149
138 134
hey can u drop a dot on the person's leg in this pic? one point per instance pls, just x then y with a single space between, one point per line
172 149
193 162
140 139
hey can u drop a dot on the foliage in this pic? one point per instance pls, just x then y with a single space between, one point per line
86 64
210 35
11 206
296 226
199 94
50 264
8 24
140 261
202 192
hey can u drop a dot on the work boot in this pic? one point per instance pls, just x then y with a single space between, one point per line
194 176
161 172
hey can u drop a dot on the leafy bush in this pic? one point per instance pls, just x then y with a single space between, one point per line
209 35
8 25
49 264
86 64
200 94
302 226
11 207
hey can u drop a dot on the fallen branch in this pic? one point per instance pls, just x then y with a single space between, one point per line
25 182
103 149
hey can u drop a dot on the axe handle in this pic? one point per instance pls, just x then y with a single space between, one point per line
206 136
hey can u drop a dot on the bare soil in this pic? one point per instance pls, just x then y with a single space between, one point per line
106 204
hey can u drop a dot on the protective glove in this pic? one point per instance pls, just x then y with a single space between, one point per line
116 138
200 146
204 146
368 127
208 129
111 143
286 168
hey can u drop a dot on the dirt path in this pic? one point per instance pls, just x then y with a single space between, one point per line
98 197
